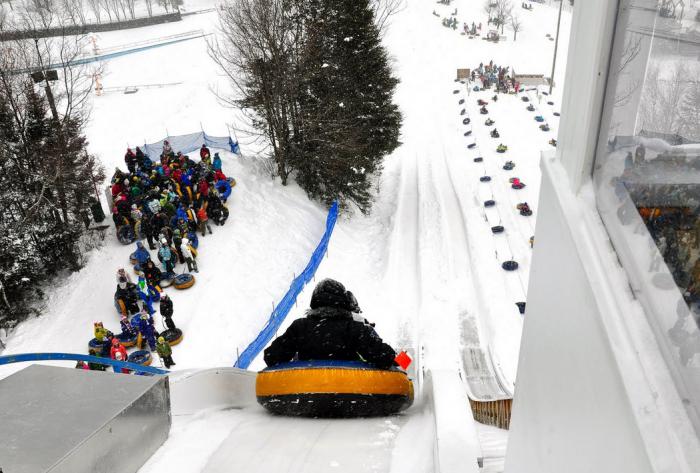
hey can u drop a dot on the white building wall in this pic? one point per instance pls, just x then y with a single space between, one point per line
593 393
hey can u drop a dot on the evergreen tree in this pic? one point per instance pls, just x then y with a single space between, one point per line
350 121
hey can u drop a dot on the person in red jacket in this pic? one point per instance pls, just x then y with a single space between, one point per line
117 348
203 188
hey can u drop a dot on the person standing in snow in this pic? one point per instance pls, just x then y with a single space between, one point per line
166 311
189 254
329 332
204 152
165 352
147 331
203 219
165 256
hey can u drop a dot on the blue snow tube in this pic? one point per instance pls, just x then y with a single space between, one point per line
510 265
126 235
183 281
539 118
224 188
141 357
96 346
489 203
128 340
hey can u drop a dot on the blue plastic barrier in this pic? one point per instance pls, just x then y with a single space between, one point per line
191 142
280 312
118 365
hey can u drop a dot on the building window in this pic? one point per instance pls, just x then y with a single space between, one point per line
647 174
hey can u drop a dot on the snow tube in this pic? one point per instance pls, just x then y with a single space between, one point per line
172 336
509 166
464 110
501 149
126 235
466 121
525 99
461 101
485 178
478 160
467 133
556 114
550 103
539 118
127 340
456 91
526 212
95 346
510 265
166 282
517 186
471 146
141 357
224 189
497 229
333 389
183 281
489 203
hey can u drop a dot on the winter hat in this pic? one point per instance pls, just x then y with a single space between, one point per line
161 340
329 293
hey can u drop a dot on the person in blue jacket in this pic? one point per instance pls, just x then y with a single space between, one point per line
165 256
141 254
216 165
148 331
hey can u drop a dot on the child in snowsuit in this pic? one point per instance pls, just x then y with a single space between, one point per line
166 311
165 352
127 329
189 254
165 256
148 332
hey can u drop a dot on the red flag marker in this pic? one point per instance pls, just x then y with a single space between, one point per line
403 360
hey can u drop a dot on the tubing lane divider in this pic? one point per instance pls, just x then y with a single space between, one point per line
281 310
117 365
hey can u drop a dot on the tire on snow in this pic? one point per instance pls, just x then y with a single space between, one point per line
172 336
183 281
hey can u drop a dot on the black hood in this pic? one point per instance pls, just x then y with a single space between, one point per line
330 293
329 313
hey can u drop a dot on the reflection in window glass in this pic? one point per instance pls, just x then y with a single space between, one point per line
647 174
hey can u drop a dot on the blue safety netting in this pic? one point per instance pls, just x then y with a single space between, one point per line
191 142
118 365
279 313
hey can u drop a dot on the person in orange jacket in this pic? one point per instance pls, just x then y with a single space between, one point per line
203 219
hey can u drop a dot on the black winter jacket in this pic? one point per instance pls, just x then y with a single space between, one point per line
166 308
329 333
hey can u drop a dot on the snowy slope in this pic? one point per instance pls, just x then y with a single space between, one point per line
423 265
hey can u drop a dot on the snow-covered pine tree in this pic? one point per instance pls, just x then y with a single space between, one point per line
690 112
350 121
45 178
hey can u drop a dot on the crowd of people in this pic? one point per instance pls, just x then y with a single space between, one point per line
494 75
154 199
164 204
